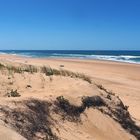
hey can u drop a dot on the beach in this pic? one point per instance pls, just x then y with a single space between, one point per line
121 79
69 70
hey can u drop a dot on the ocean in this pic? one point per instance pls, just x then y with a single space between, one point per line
121 56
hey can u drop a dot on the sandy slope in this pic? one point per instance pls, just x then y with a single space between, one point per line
122 78
95 125
9 134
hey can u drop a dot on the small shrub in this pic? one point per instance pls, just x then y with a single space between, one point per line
92 101
13 93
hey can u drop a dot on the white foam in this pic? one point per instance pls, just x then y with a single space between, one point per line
119 58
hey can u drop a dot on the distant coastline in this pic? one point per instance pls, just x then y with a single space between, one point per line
119 56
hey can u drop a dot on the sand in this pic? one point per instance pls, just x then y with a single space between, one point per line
121 78
9 134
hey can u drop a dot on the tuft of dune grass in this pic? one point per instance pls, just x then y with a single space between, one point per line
48 71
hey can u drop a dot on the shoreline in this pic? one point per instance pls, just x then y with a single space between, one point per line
73 58
69 58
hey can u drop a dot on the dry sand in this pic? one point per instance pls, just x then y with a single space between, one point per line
121 78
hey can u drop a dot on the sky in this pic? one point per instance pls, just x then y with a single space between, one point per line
70 24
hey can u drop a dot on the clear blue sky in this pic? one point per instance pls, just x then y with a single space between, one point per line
70 24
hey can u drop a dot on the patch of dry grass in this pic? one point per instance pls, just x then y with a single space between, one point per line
104 89
48 71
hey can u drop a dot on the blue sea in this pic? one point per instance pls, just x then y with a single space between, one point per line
121 56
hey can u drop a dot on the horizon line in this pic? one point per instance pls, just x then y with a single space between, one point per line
63 50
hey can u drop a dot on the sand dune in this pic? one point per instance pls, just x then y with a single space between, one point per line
37 89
